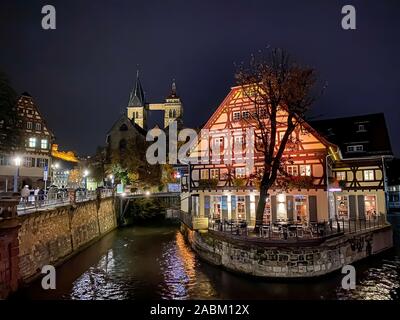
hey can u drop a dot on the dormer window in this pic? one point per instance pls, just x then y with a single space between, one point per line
355 148
361 128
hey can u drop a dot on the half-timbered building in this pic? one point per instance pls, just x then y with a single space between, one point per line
328 175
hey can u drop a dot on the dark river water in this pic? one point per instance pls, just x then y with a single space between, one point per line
156 263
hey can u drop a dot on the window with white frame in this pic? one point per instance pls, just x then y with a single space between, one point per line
292 170
32 142
4 160
38 126
29 162
44 144
369 175
240 172
204 174
218 141
42 162
355 148
29 125
214 174
245 114
305 170
341 175
236 116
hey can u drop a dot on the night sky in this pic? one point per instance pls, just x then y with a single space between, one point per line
81 74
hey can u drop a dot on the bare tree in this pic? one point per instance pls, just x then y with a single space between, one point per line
281 92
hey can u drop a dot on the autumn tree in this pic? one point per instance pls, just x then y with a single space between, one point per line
129 165
281 92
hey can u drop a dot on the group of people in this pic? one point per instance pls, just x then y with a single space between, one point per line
38 193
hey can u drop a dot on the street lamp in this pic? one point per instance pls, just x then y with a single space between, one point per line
111 177
17 162
85 175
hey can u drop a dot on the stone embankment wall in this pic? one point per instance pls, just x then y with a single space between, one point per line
287 260
50 237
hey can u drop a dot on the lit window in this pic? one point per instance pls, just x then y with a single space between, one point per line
361 128
292 170
239 140
370 206
204 174
240 172
38 126
32 142
341 175
236 116
44 144
214 173
29 125
369 175
305 170
219 141
342 206
280 135
356 148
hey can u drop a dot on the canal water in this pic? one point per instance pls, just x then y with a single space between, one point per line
156 263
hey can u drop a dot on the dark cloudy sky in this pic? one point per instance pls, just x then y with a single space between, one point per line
81 73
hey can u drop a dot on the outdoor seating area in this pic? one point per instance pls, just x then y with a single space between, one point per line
284 230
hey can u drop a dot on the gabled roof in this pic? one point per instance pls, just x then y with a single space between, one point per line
234 92
33 104
124 119
137 98
369 130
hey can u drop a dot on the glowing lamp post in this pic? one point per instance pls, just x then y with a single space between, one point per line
17 162
85 175
111 177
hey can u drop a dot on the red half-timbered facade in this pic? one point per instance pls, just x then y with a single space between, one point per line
223 183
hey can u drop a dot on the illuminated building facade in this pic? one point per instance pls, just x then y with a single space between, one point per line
355 187
34 152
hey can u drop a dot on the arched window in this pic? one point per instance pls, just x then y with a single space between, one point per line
170 114
174 113
124 127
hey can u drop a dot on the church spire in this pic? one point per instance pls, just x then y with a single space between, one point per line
137 98
173 94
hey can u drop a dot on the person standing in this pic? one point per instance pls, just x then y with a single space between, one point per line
25 192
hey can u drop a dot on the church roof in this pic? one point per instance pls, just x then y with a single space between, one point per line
137 98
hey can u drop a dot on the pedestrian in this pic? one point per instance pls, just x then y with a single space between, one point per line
36 194
25 192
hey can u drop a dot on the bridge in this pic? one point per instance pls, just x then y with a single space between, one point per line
171 200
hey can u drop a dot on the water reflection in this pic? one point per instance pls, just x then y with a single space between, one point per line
156 263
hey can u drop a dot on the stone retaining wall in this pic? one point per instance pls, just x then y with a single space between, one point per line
30 241
287 260
47 238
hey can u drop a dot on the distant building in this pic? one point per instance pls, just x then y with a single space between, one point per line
394 185
63 163
138 108
35 149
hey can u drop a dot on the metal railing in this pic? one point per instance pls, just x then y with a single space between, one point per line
290 230
45 201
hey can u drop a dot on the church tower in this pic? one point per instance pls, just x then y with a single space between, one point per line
137 110
173 108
